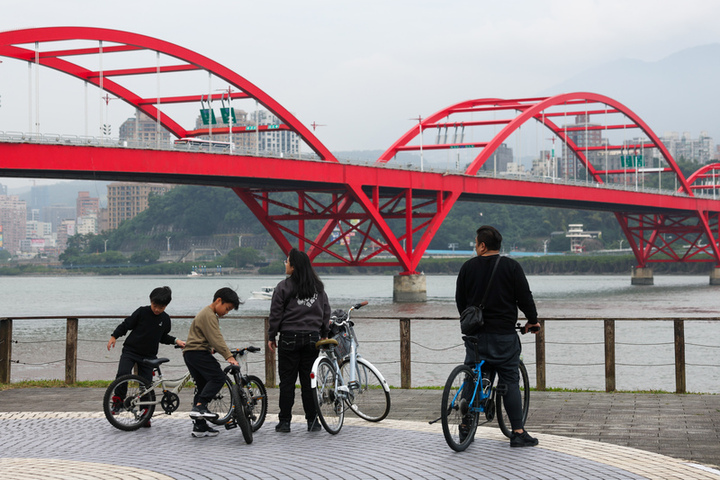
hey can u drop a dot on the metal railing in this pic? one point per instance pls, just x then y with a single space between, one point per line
405 344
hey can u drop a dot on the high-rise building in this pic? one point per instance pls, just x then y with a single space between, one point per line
86 205
126 200
499 160
283 142
700 150
65 230
56 213
13 215
143 130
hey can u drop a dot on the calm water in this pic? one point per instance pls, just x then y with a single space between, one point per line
644 350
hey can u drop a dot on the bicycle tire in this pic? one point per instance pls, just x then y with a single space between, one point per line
371 401
503 419
458 422
257 401
328 404
122 402
241 413
222 404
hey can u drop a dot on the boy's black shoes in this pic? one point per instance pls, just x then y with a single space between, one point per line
283 427
116 405
203 430
314 425
201 411
522 440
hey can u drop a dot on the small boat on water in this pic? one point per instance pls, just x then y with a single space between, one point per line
265 293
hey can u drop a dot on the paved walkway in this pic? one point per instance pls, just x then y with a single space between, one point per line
61 434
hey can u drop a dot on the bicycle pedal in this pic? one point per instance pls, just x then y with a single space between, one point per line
354 385
230 425
343 388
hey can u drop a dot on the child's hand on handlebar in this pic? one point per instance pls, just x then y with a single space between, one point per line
231 360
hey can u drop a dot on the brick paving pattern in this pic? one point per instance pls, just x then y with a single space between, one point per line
60 433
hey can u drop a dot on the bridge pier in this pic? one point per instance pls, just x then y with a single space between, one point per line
409 288
715 276
642 276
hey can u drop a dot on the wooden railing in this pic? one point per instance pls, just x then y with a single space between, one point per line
405 342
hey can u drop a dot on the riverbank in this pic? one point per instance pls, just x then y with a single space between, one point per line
584 264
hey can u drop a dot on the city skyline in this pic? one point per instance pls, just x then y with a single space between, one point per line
364 73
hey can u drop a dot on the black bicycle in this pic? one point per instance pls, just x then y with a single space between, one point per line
248 398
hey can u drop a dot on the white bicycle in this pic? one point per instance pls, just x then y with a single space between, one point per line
342 379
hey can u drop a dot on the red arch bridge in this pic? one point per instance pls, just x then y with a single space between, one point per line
608 158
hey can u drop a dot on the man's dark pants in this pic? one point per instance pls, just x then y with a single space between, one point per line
501 353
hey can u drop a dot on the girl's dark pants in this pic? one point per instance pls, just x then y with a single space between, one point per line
296 355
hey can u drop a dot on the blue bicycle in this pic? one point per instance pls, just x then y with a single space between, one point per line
470 391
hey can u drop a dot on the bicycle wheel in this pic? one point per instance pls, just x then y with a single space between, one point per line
241 413
222 404
257 401
129 402
370 401
503 419
458 422
330 407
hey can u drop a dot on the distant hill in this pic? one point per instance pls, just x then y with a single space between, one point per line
678 93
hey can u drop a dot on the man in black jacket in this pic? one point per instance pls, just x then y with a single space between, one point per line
498 343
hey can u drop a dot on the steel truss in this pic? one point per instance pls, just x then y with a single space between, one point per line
672 238
352 227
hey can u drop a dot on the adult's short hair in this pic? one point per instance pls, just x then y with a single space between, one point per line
228 295
489 236
161 296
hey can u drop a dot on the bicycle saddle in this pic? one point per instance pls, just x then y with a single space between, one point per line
327 343
155 362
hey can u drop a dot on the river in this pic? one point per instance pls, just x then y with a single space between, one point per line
575 352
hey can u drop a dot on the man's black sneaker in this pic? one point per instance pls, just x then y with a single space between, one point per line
283 427
314 425
203 430
201 411
464 427
522 440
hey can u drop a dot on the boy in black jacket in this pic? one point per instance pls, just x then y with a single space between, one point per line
150 327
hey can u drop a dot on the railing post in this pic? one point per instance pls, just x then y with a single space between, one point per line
71 348
269 359
609 355
680 385
405 359
540 357
5 349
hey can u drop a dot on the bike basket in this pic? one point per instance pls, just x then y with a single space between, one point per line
344 344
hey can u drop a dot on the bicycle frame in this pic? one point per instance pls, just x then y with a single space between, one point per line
484 394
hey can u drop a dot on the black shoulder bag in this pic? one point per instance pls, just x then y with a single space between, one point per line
471 319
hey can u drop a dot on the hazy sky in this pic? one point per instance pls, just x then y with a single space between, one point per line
364 69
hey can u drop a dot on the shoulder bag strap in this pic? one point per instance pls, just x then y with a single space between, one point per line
487 289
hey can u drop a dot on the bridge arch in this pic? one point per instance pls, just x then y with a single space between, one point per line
542 110
15 44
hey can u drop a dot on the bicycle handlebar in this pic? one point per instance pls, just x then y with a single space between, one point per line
519 328
241 351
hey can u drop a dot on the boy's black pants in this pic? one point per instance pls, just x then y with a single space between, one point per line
207 374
